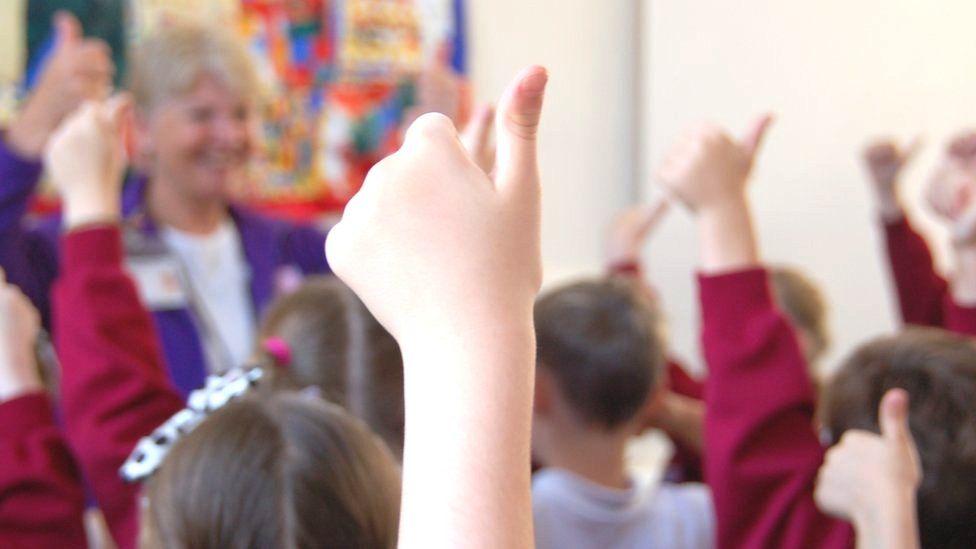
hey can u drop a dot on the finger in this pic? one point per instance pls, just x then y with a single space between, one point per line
753 138
517 124
654 213
893 416
445 52
67 29
477 132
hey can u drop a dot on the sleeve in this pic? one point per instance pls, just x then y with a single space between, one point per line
305 246
42 503
686 463
25 255
958 318
919 289
114 386
763 455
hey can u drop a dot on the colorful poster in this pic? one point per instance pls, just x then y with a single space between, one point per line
338 78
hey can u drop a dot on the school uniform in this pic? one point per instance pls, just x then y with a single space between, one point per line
41 501
923 295
272 249
763 454
114 385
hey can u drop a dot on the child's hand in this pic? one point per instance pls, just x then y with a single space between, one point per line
430 243
885 161
77 69
19 326
476 137
708 169
866 475
630 229
85 159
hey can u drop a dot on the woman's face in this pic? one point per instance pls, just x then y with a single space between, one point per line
200 142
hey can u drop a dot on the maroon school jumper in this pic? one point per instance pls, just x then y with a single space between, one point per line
923 296
763 455
114 386
41 500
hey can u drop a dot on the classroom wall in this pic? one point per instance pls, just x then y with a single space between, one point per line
835 73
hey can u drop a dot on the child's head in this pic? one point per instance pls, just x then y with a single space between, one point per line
938 369
337 346
599 352
275 471
803 302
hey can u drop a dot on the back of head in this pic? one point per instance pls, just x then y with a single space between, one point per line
804 304
338 346
170 61
598 339
281 471
938 369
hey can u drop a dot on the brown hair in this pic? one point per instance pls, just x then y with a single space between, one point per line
803 302
599 341
339 347
938 369
281 470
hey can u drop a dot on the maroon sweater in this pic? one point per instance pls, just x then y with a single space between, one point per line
114 387
41 500
923 296
763 455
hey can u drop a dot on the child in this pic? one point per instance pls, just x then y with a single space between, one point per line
761 446
462 316
333 344
41 500
924 297
599 368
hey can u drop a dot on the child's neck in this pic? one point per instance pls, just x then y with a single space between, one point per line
597 456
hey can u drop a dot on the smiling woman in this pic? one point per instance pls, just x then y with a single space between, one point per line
204 265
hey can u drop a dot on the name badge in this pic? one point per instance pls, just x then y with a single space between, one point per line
160 282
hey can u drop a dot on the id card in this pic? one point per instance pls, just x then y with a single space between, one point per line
160 282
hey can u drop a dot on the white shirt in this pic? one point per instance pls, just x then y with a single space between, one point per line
573 513
221 297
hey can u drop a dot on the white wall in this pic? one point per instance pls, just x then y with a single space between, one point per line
587 136
835 72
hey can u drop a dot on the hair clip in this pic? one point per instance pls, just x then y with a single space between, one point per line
218 390
279 350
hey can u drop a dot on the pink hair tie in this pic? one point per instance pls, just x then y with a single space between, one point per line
279 350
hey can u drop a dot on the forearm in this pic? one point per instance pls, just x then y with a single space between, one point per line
963 284
684 419
891 524
728 241
468 420
889 205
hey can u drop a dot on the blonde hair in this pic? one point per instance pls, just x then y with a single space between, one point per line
171 60
803 302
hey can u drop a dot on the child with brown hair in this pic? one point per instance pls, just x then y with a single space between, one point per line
333 344
288 471
759 414
599 372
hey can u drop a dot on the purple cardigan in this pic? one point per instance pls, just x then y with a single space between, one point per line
29 253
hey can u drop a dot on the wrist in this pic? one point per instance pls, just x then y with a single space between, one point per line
17 380
963 286
727 239
889 520
90 209
889 204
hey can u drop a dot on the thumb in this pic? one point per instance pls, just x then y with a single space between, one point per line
893 416
517 123
67 29
753 138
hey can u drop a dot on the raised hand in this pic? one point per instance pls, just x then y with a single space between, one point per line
885 161
707 167
432 239
708 171
871 479
78 69
630 230
19 325
86 157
